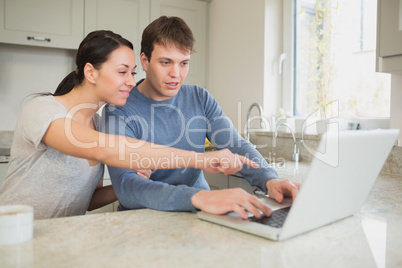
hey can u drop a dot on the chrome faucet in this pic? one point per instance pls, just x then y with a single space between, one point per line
296 149
261 112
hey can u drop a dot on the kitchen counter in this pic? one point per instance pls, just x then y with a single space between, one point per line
149 238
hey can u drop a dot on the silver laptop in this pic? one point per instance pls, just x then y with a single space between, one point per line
343 170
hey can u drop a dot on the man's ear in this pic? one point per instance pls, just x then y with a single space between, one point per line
144 61
90 73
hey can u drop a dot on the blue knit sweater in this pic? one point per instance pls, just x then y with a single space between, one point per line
181 122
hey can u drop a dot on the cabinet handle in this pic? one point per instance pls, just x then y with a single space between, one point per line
36 38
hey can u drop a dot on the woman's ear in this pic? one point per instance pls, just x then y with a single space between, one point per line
144 61
90 73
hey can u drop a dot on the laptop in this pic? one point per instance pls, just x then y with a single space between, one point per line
343 170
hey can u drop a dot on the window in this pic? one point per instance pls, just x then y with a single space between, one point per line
332 51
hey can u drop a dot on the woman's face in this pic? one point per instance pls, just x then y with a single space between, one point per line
115 78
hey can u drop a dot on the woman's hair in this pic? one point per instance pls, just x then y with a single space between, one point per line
165 31
94 49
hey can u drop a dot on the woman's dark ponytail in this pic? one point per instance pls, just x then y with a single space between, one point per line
67 84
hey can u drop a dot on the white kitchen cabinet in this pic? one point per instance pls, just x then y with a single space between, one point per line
46 23
130 17
3 171
389 36
194 13
125 17
108 208
64 23
239 182
217 181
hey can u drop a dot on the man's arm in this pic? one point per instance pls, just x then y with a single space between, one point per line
135 192
224 135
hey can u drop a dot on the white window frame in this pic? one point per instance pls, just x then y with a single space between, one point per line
287 58
287 69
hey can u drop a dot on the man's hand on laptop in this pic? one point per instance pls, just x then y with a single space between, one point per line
279 189
227 200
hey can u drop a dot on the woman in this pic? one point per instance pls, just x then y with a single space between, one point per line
57 152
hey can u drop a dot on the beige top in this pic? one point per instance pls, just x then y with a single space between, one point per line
55 184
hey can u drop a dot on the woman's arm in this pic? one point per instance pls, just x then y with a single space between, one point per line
104 195
70 137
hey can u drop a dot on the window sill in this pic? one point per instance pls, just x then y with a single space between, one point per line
313 128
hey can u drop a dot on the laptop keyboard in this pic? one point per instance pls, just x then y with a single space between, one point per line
276 220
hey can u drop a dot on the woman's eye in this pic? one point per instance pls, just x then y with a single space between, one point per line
133 73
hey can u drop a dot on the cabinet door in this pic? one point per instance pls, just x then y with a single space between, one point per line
216 181
125 17
238 182
194 13
45 23
390 15
3 172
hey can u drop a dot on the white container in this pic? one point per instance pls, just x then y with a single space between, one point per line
16 224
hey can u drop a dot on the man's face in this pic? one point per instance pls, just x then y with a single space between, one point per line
166 72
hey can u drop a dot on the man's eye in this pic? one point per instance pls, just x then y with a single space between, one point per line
133 73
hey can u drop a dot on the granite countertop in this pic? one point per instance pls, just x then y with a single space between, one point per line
149 238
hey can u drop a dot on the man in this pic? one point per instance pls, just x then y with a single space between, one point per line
163 110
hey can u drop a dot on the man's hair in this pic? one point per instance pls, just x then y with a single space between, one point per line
167 31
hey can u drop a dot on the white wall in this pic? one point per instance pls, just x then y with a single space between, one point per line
240 72
396 107
25 70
